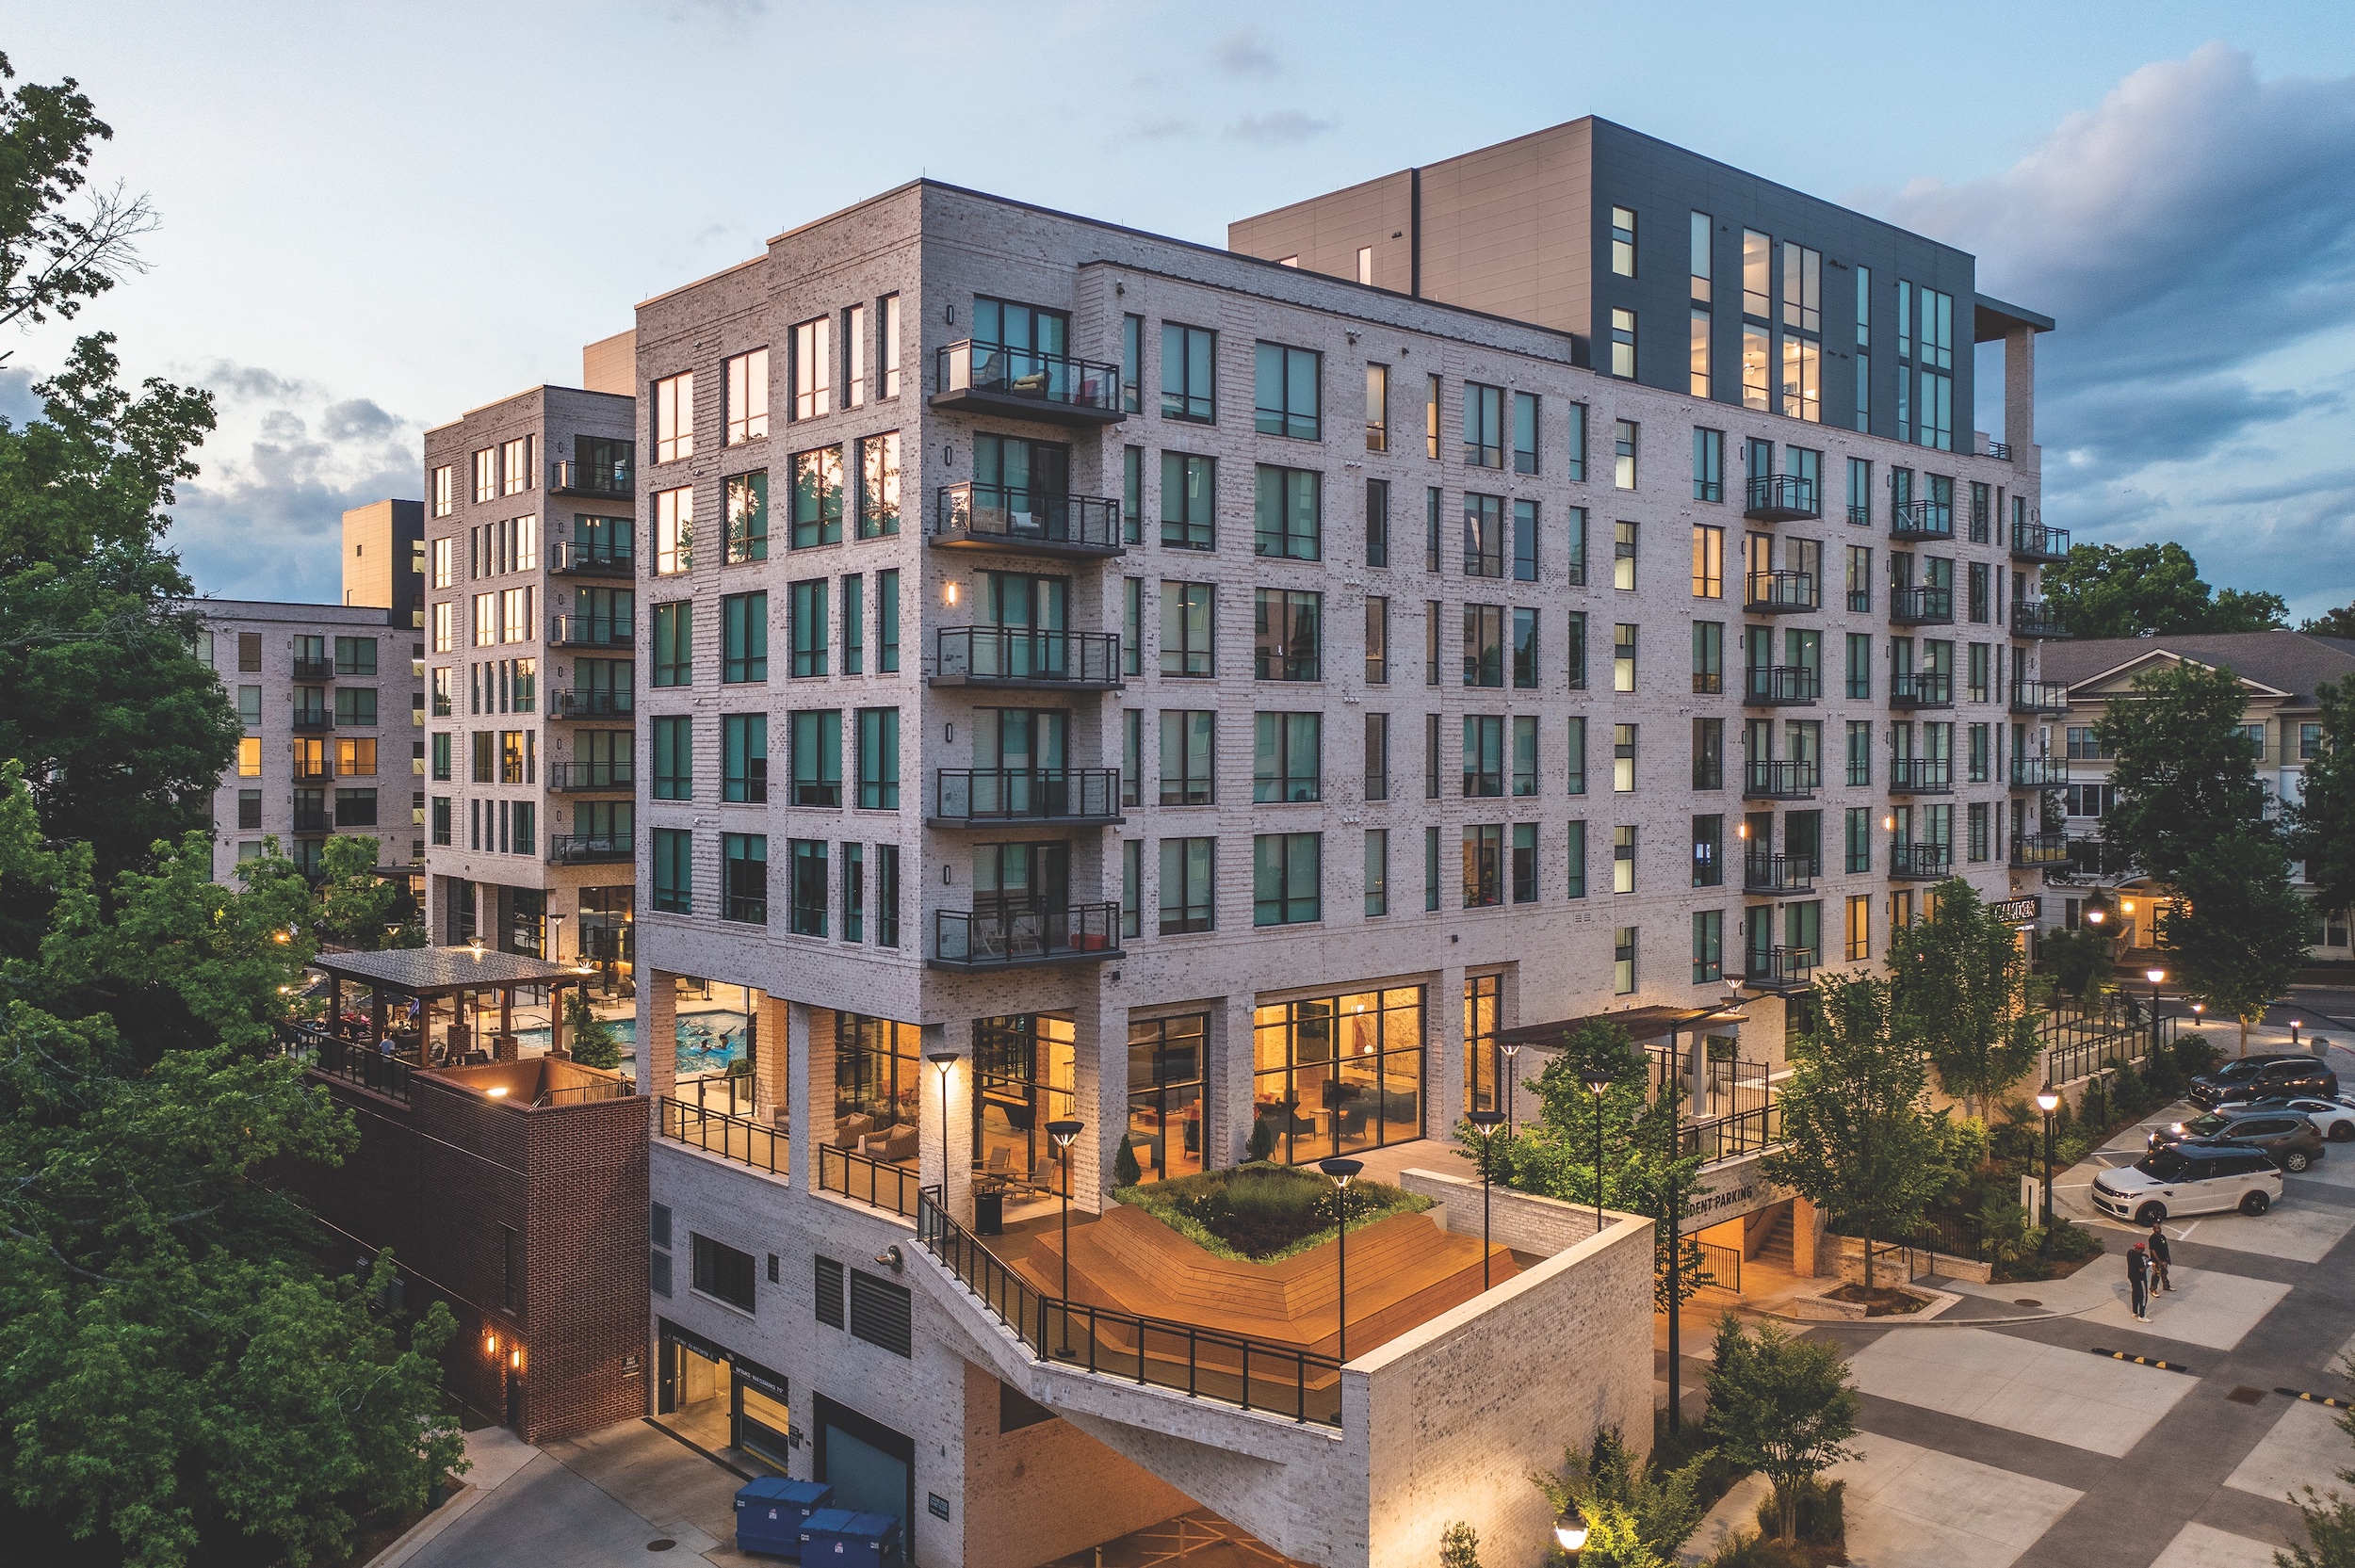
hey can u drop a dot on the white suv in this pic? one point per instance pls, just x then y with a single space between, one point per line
2191 1177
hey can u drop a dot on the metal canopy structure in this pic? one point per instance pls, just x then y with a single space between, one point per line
1641 1024
441 971
431 974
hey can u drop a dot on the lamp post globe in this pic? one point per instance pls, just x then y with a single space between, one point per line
946 1062
1484 1123
1598 1083
1066 1133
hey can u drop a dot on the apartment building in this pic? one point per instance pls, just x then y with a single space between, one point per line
2279 671
530 809
328 696
1215 699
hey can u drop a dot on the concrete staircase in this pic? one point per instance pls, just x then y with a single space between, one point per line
1775 1246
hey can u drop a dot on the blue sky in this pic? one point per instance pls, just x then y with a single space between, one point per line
377 217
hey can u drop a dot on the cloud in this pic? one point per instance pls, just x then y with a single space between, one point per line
1284 128
1246 52
1157 127
17 402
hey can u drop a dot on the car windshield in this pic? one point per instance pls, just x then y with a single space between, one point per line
2162 1165
2233 1072
2205 1125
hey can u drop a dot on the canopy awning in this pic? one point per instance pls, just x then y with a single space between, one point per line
1640 1022
443 971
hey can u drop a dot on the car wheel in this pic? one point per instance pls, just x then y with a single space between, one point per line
2254 1202
2296 1160
2150 1214
2343 1132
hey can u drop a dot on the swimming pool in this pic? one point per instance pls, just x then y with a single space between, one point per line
708 1040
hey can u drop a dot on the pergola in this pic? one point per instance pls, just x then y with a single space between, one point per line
430 974
1641 1024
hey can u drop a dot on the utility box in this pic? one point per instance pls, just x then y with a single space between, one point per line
771 1512
836 1538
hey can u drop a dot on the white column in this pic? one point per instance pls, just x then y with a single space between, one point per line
1100 1032
1227 1075
810 1090
1443 1064
658 1033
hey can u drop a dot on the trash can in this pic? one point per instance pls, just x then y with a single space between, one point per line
771 1511
989 1211
836 1538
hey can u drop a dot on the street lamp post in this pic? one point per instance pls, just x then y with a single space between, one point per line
2155 977
946 1062
2048 1101
1596 1082
1344 1172
1512 1080
2296 1025
1484 1123
2196 1008
1570 1531
1064 1133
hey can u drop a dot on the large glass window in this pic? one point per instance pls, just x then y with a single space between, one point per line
1484 426
1189 489
1189 379
1286 635
747 517
1167 1058
745 744
744 636
745 877
1023 1076
878 1075
1339 1074
673 424
1287 392
1287 879
813 368
818 758
747 396
1286 757
1287 517
1189 886
817 497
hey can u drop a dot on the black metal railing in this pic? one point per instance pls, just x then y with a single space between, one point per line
1154 1352
1721 1267
1921 863
313 670
2039 697
2094 857
2039 772
1059 382
600 703
877 1182
1773 593
2040 850
1922 519
992 795
1921 607
2034 618
1860 516
1020 655
1921 688
999 517
589 848
593 558
573 477
2077 1046
1773 779
313 819
310 773
1779 685
1730 1136
353 1061
310 720
1999 449
2035 542
1778 968
1764 873
1780 498
715 1131
590 631
613 773
1029 932
1921 776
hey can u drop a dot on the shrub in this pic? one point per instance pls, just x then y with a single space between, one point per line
1262 1213
1636 1517
1126 1172
1459 1546
1262 1144
590 1037
1744 1550
1822 1512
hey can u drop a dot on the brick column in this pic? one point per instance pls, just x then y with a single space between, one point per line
1808 1250
658 1033
1228 1081
809 1069
770 1094
1443 1056
956 1178
1099 1033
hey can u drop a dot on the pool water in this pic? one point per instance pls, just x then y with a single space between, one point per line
708 1040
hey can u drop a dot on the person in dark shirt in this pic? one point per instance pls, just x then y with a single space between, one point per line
2138 1278
2160 1258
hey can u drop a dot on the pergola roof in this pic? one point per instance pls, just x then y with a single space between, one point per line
439 971
1640 1024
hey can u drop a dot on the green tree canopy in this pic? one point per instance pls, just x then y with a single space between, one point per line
2323 822
2128 591
50 260
355 903
2237 931
2339 622
1958 980
1782 1406
1633 1519
2186 774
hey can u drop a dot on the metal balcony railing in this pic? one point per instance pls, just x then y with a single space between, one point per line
737 1137
1778 873
613 479
876 1182
308 772
2039 697
997 518
1921 688
1922 519
351 1061
1998 449
598 704
1921 607
2039 772
1921 776
1010 933
990 796
1779 969
313 670
2040 850
1743 1132
589 848
1860 516
1026 655
1781 686
313 720
1027 383
590 631
595 558
1780 498
1921 863
313 819
2035 542
2034 618
1780 592
1769 779
618 773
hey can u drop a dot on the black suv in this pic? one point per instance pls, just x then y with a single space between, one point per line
2261 1078
2292 1141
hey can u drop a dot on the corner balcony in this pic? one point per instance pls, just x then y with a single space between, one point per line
571 558
1921 519
612 482
313 819
591 704
1921 863
2040 850
1921 607
1772 780
1015 935
1921 688
1023 384
1024 659
313 670
1781 970
2039 772
313 722
1781 498
1781 686
2034 618
589 631
1921 776
2045 697
589 849
589 778
1778 873
1041 797
1780 592
2034 543
992 517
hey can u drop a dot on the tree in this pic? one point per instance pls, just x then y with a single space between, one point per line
1958 981
2322 825
1554 1152
1782 1406
2078 961
1459 1546
1633 1519
2338 622
354 900
51 263
1855 1140
181 1380
2186 774
589 1038
2236 930
2110 590
2330 1515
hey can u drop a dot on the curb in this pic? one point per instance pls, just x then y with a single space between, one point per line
419 1534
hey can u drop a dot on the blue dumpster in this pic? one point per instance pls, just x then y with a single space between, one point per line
836 1538
771 1511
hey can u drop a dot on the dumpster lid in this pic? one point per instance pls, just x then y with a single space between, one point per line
841 1521
779 1489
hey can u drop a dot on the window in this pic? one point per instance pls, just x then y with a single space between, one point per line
2310 746
745 877
1860 665
806 612
516 615
1483 645
673 421
1708 753
1860 926
1131 884
879 759
1525 422
887 894
1623 556
1863 349
744 636
1377 408
1976 595
878 463
1378 778
1484 865
1287 387
486 474
1623 961
1189 886
1285 628
1189 490
1623 344
1378 641
1524 753
355 708
673 758
818 758
1524 541
445 486
1981 668
1484 426
1286 757
675 642
1577 884
1623 242
1377 872
1977 843
445 557
1483 536
1132 756
1525 649
816 497
1622 758
1430 419
1187 749
673 531
1430 756
1378 523
516 465
1576 748
813 368
1859 489
1131 363
441 758
1801 395
1709 834
855 627
746 395
744 746
1186 625
1709 657
444 624
888 335
355 808
1285 878
854 356
723 1272
855 893
1858 828
1861 752
1286 520
1623 657
747 509
887 622
1709 563
1709 465
1189 383
808 886
486 619
441 829
1574 539
1484 755
674 871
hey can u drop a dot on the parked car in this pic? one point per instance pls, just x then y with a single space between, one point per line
2261 1078
2336 1118
2293 1140
2190 1177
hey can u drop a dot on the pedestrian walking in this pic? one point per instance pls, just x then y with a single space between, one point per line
2138 1278
2160 1258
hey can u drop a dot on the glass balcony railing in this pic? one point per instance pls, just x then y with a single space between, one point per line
600 704
2034 542
620 773
589 631
592 558
2034 618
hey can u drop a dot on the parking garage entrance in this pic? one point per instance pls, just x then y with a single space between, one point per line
718 1399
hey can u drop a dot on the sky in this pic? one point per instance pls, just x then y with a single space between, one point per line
377 216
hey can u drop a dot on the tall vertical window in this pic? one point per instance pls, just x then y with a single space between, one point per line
1575 635
1622 758
807 613
1623 456
1484 426
1623 657
1709 833
1378 778
887 346
673 420
744 636
747 517
1287 517
1133 496
445 491
813 368
1524 753
1623 961
1431 723
745 877
1574 467
1524 541
1525 422
1189 379
746 389
1574 748
1377 641
887 622
1186 627
1709 465
1859 493
516 465
1863 349
1377 408
854 356
1698 371
1378 523
674 871
1623 242
1287 763
1189 487
1377 867
1187 746
1709 561
1285 878
1701 272
673 531
878 463
879 759
817 758
1802 395
1430 419
1708 945
1131 363
675 643
744 746
854 624
1859 925
1623 344
1484 865
1287 392
817 497
1708 753
1189 886
1525 649
1483 536
674 757
1709 657
806 886
1483 645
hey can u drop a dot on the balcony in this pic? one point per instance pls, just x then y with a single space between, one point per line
1990 447
1024 659
1779 969
1011 935
591 704
1781 686
984 377
1859 517
1921 688
611 481
1921 519
571 558
313 720
589 631
1921 776
992 517
2034 618
2040 850
313 670
1921 607
576 778
590 849
2034 542
314 820
992 797
1781 498
1778 873
1780 592
310 773
2039 772
2039 697
1921 863
1772 780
